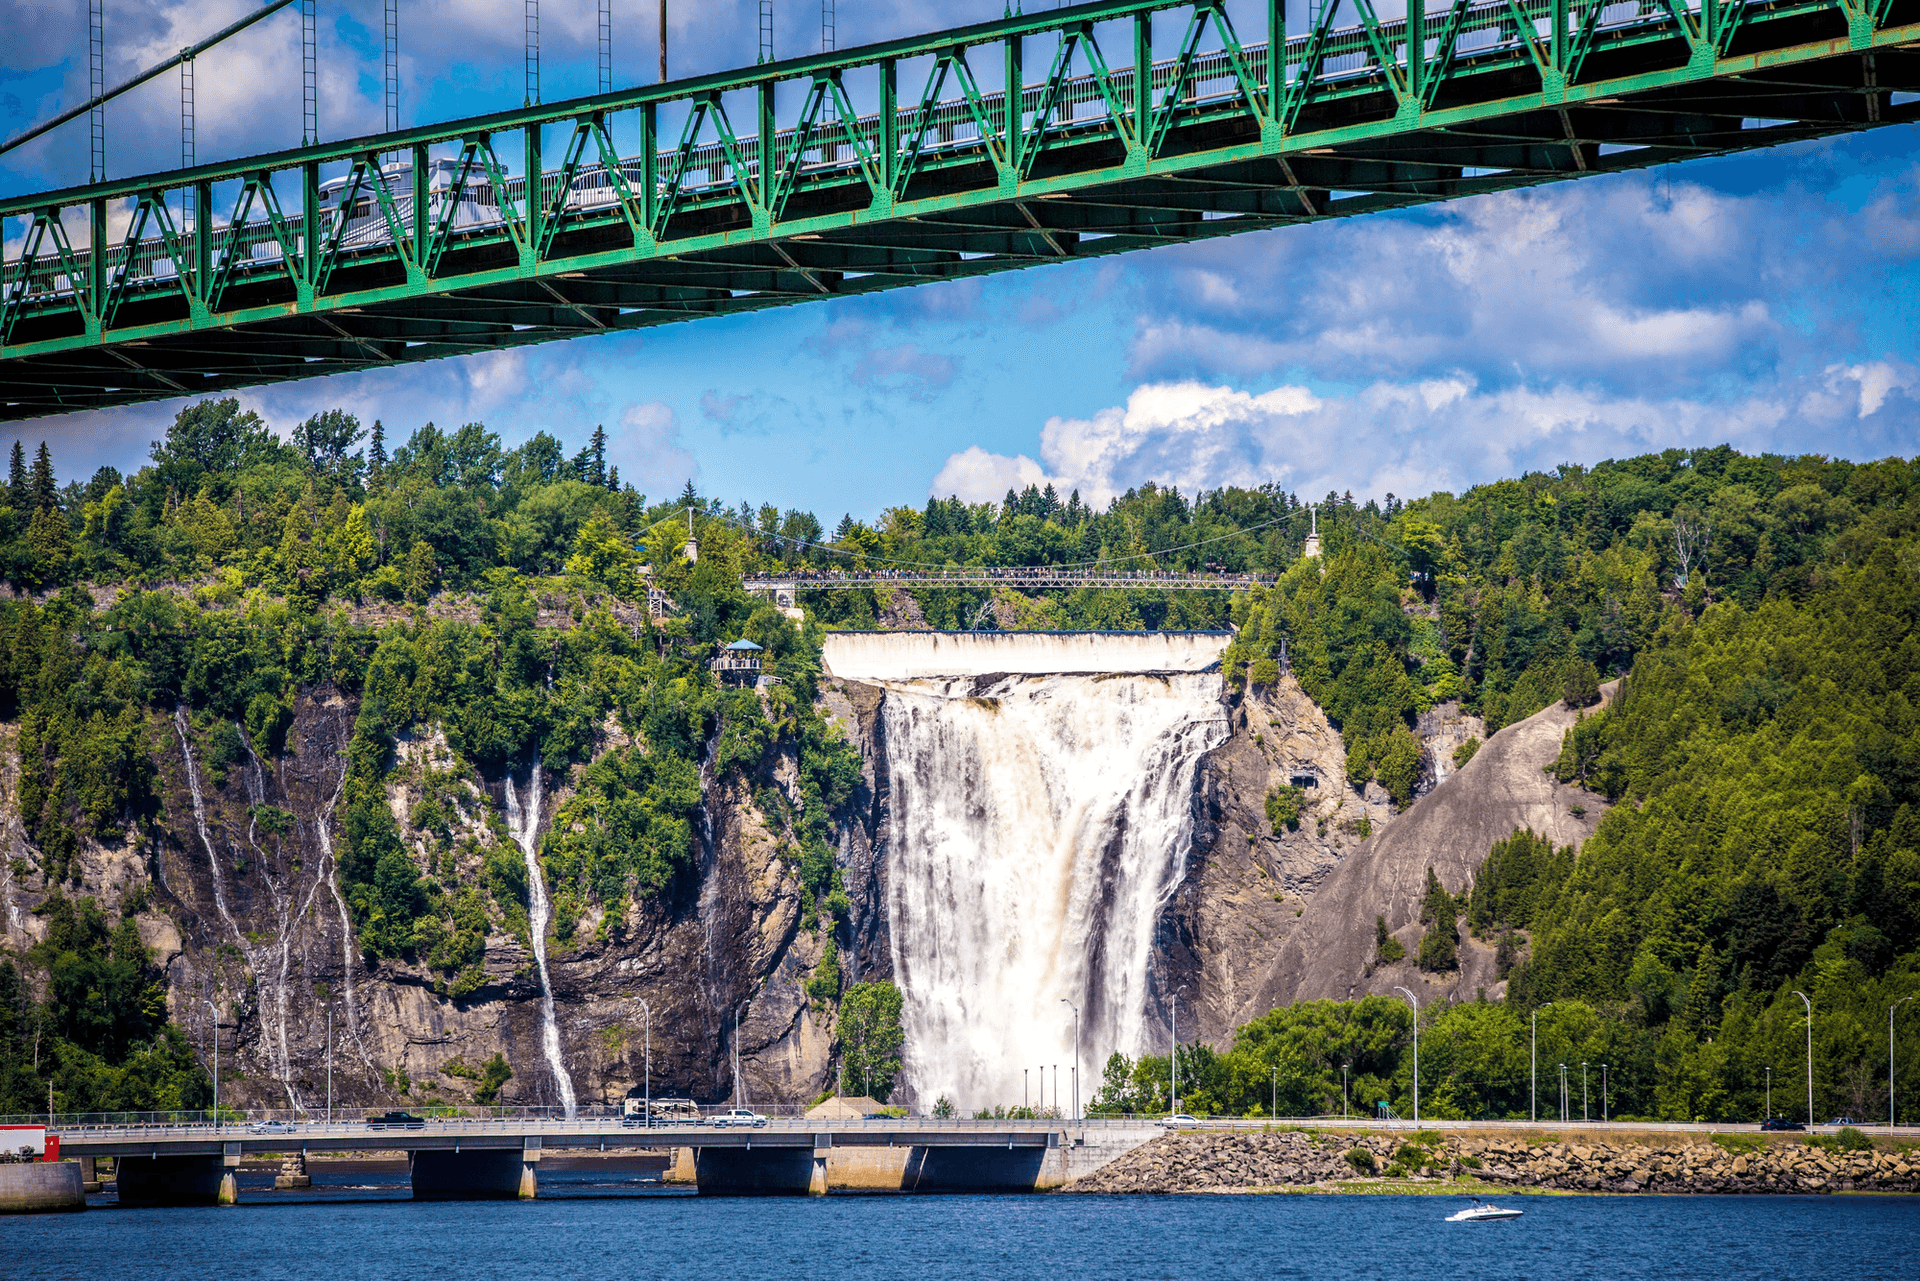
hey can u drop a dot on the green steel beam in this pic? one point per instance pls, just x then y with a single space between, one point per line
1198 134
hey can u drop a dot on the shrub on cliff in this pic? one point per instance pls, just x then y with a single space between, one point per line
1386 948
1283 809
494 1073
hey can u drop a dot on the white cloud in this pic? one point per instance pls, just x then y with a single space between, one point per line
647 449
1634 284
977 476
1413 438
1877 379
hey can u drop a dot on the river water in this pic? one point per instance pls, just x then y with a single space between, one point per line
601 1224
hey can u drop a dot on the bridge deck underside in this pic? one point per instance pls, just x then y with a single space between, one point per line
1226 170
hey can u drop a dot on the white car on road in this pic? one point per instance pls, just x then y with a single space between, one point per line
737 1116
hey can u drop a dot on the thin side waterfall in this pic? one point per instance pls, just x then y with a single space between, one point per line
525 826
200 821
322 830
1039 827
276 1027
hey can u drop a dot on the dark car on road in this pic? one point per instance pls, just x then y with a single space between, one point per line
396 1121
1781 1123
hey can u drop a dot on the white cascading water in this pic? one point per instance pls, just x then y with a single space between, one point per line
1039 827
525 826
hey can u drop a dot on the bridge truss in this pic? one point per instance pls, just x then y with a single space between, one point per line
1137 123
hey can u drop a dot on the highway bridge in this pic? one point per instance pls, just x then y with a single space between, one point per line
485 1157
1088 130
480 1157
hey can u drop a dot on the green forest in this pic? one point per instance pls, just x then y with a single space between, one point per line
1763 758
1760 753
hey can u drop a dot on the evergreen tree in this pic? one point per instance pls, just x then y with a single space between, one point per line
43 490
377 453
17 478
597 454
1440 945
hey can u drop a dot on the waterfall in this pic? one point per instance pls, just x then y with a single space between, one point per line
322 830
200 822
1039 826
525 826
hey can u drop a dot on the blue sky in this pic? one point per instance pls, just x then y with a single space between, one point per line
1768 300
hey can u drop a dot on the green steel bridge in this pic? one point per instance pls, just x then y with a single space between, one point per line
1136 123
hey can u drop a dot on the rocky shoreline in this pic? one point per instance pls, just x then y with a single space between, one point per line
1230 1161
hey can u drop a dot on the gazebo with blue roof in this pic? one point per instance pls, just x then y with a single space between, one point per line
738 663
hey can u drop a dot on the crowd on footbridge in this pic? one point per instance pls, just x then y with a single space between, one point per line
1016 576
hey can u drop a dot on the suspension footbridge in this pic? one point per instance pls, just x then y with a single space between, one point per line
1090 130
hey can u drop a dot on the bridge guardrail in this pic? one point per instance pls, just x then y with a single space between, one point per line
177 1126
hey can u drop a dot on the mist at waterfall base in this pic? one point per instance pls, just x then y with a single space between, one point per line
1039 826
583 1228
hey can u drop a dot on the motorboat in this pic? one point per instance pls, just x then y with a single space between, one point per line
1483 1212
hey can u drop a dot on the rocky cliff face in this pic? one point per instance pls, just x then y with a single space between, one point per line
236 887
1505 786
1251 888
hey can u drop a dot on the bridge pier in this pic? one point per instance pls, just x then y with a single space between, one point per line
293 1172
476 1174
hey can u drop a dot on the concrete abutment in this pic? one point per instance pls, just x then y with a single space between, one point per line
40 1187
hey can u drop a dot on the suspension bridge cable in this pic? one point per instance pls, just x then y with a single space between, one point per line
192 51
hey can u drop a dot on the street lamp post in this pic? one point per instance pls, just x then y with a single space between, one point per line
1343 1090
329 1062
1175 1063
1414 1001
1533 1071
1076 1055
1890 1009
216 1063
1563 1092
1274 1107
1769 1091
1583 1091
1603 1094
646 1072
1808 1002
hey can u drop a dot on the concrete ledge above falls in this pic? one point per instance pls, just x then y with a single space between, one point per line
905 656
